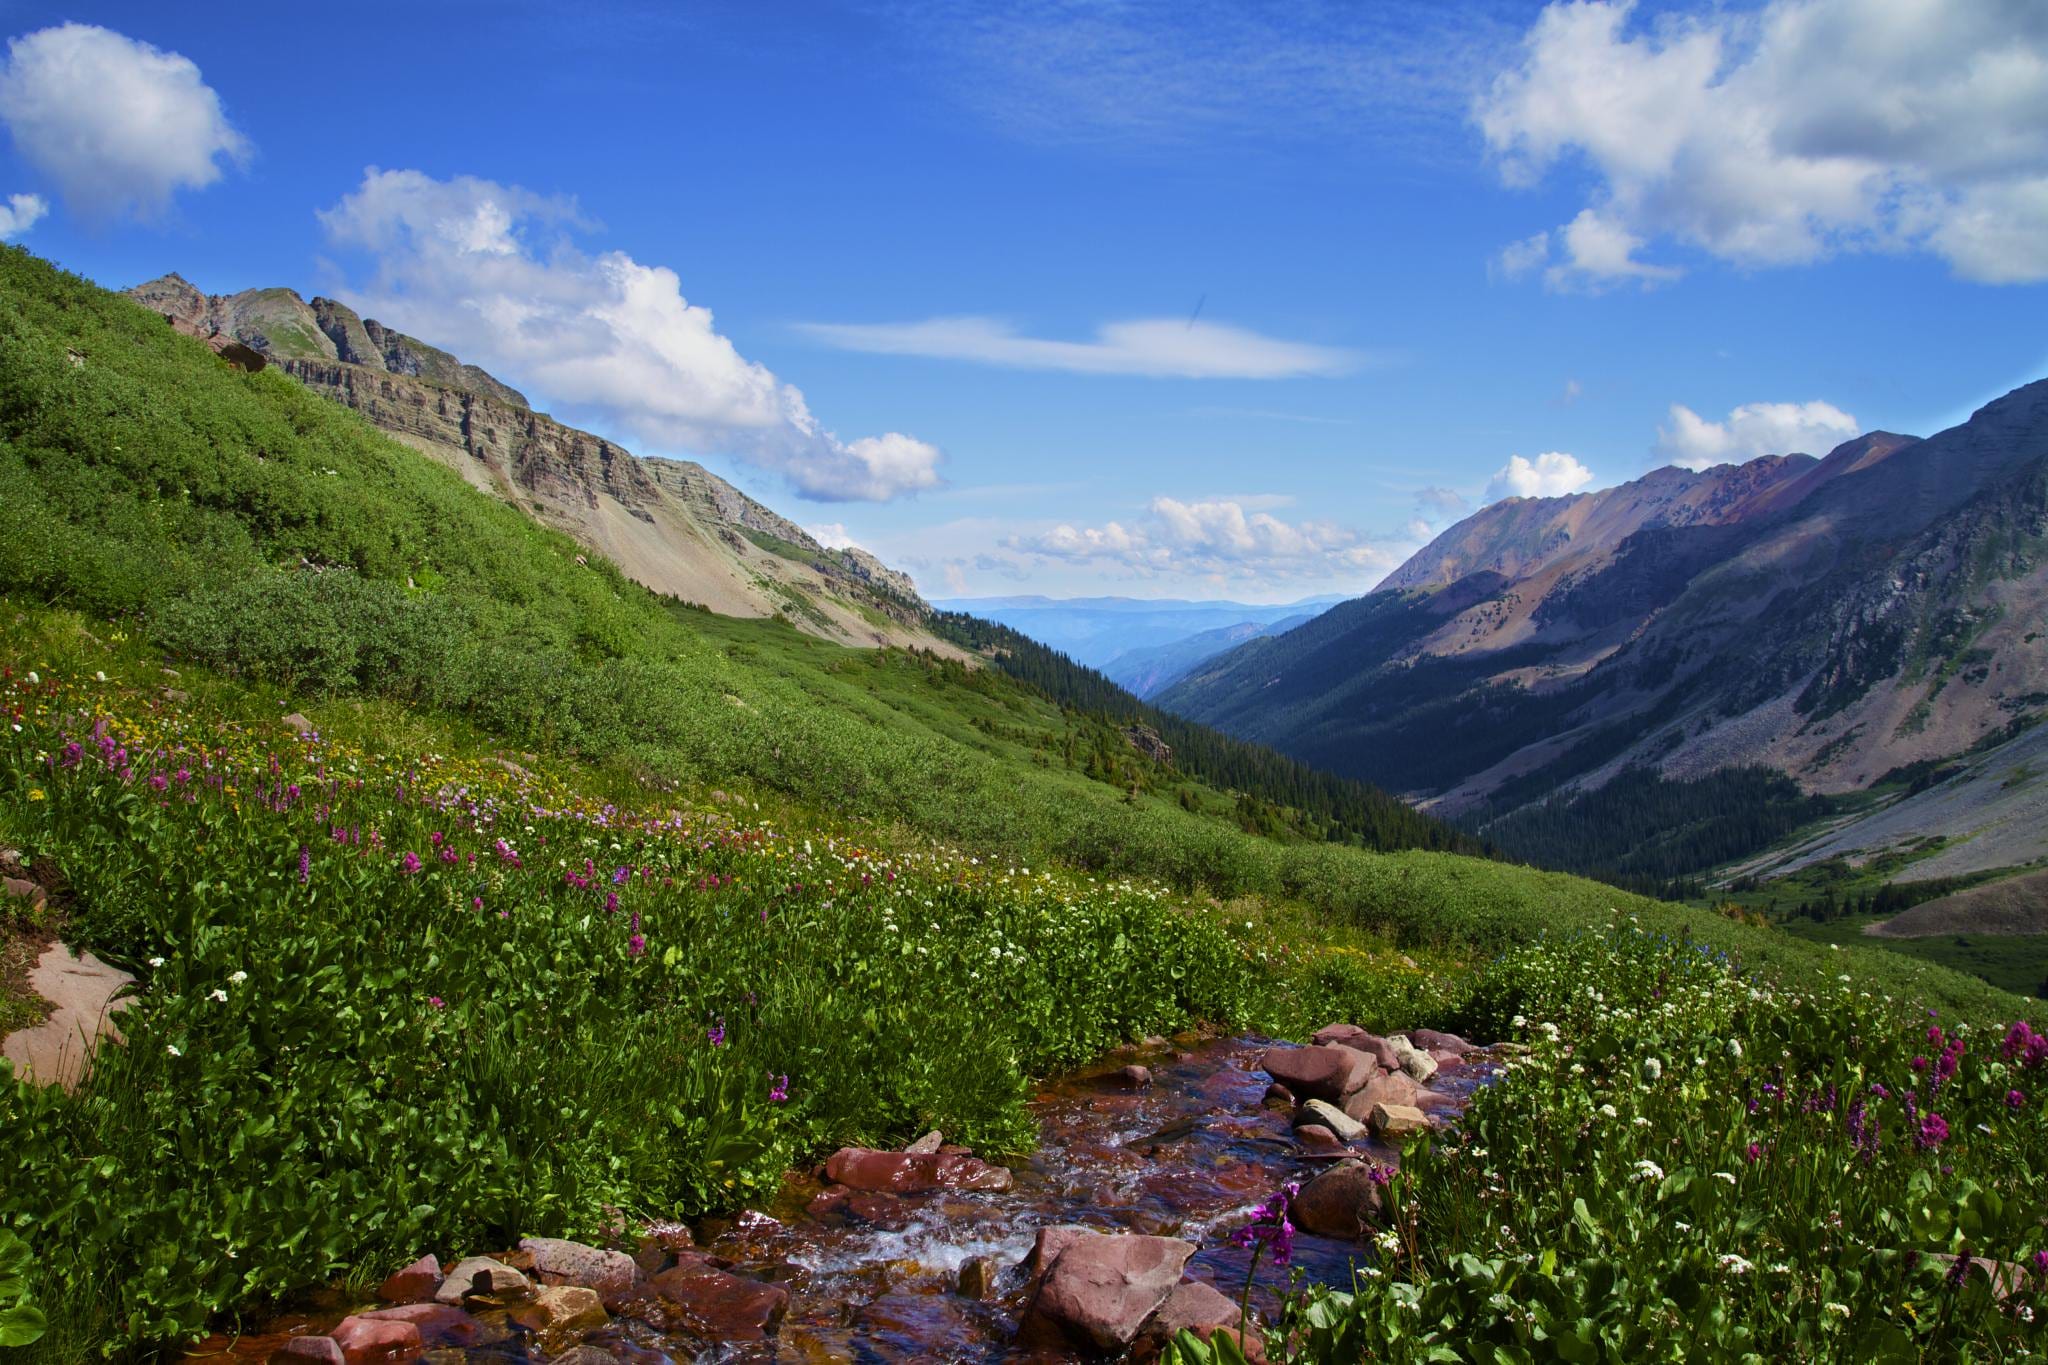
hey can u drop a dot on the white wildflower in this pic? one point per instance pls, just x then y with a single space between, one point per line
1734 1264
172 1048
156 962
218 995
1609 1111
1649 1170
1724 1175
1838 1310
238 978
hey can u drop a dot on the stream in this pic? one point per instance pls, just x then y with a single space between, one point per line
876 1278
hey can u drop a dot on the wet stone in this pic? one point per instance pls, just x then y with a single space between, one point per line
365 1341
926 1145
558 1262
437 1324
1397 1121
1136 1077
1317 1139
318 1350
717 1305
482 1275
1097 1289
978 1275
414 1284
1331 1117
904 1173
1344 1201
1280 1095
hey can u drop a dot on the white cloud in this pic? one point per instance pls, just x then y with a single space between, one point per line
1693 442
1170 348
1550 475
1217 538
19 214
833 535
1784 135
462 264
118 125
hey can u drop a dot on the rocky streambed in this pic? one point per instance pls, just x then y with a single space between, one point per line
1114 1232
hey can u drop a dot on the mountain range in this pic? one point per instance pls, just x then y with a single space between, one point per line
669 524
1142 644
1843 620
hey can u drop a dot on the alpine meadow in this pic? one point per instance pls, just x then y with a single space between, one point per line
1371 762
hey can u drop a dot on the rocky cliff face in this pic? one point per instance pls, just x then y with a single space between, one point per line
670 524
1834 619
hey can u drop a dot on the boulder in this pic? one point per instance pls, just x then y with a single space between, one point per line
564 1308
323 1350
438 1324
913 1173
482 1275
1344 1201
1135 1076
298 724
1191 1307
416 1283
557 1262
1430 1040
1395 1087
1397 1121
1358 1040
1318 1140
1279 1094
22 889
1097 1289
926 1145
887 1211
1324 1114
1318 1072
1414 1060
365 1341
716 1305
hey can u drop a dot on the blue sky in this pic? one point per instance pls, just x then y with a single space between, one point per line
1160 299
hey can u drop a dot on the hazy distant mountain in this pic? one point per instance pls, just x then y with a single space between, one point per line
1097 631
1153 669
670 524
1833 619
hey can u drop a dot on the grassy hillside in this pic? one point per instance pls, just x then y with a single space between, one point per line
577 904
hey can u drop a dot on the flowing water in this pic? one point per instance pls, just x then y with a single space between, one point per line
877 1280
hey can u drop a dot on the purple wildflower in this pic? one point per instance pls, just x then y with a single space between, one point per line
1270 1226
1933 1130
637 944
619 876
716 1033
779 1091
2015 1100
437 1002
305 864
411 862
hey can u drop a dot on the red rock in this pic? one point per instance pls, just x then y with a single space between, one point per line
563 1308
1318 1073
864 1206
1135 1076
482 1275
1191 1307
1397 1120
1396 1087
557 1262
1341 1202
324 1350
1277 1093
907 1173
719 1306
366 1341
414 1284
438 1324
1313 1137
1097 1289
1433 1041
22 889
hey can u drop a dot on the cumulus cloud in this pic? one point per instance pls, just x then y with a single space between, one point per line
1552 474
1165 348
1216 538
118 125
20 213
833 535
1783 135
490 272
1692 442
